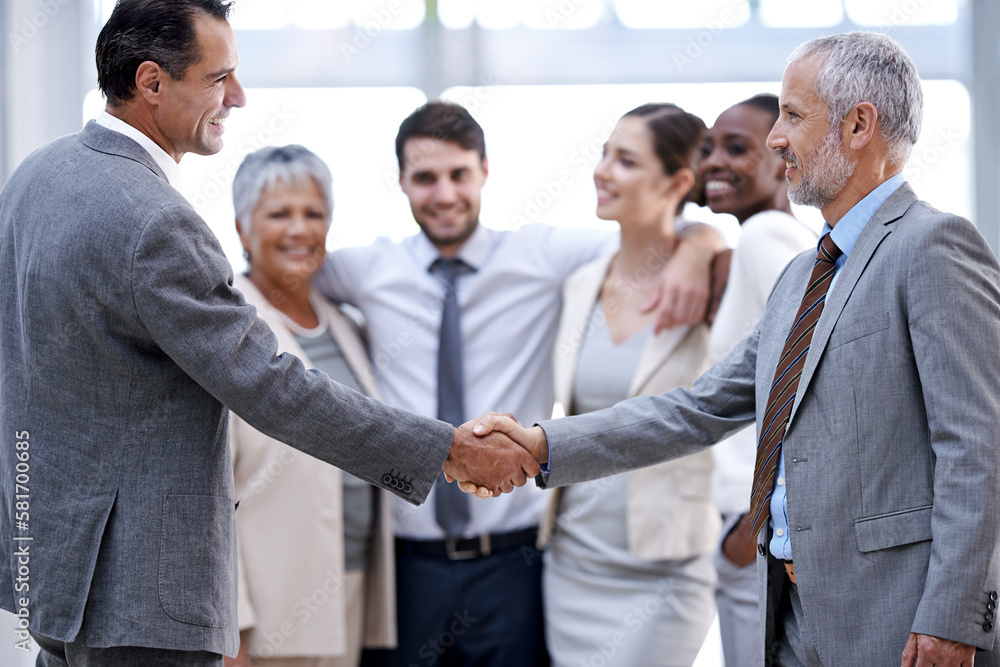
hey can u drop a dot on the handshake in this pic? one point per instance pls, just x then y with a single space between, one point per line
494 453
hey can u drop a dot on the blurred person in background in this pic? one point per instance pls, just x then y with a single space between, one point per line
641 540
742 177
438 308
314 543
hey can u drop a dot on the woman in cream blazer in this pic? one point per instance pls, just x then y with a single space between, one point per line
628 572
316 561
290 532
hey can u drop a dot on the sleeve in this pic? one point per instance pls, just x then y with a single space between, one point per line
647 430
954 320
184 297
567 249
767 244
338 278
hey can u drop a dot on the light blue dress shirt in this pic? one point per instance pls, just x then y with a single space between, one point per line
845 235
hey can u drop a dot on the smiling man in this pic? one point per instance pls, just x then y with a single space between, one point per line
123 343
872 378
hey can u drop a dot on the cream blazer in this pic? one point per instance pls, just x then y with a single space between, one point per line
670 514
290 532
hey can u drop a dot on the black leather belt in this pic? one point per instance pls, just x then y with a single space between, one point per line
467 548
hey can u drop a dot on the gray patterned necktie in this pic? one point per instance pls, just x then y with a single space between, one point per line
451 507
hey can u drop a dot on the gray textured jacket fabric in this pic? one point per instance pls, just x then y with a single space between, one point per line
123 344
892 454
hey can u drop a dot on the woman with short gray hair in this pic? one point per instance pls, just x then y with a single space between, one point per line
315 566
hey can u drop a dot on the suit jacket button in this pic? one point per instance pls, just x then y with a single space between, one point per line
407 488
989 616
993 595
760 549
386 479
991 605
987 626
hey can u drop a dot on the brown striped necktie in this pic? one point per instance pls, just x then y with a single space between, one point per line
786 382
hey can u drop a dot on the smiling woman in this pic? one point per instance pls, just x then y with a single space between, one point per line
332 526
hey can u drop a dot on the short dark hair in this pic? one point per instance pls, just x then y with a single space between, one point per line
677 138
161 31
446 121
766 102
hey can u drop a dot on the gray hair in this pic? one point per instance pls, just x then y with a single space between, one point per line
869 67
262 169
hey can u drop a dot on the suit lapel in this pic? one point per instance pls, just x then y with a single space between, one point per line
580 296
655 354
864 249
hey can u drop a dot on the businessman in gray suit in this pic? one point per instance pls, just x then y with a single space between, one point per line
877 489
123 342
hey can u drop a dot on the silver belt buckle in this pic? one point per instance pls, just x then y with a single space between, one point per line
453 553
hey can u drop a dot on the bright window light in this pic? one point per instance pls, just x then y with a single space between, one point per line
319 14
563 14
104 9
499 14
455 14
885 13
388 15
260 15
708 14
798 14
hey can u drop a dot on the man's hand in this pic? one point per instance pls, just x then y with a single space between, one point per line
925 651
683 294
490 464
720 278
740 545
532 439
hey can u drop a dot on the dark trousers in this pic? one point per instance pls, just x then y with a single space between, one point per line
483 612
794 648
62 654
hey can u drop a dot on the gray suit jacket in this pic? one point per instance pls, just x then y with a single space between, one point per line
892 457
123 341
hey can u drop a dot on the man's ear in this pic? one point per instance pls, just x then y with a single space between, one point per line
861 125
148 79
486 169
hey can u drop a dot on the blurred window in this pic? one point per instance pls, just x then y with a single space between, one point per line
885 13
798 14
682 13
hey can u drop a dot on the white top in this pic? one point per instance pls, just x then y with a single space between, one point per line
510 308
768 242
171 169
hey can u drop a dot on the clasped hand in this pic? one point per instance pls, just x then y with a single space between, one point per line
494 453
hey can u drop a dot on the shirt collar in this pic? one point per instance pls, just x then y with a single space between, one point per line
170 168
474 252
847 231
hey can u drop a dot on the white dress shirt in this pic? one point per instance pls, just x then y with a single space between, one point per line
171 169
510 308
